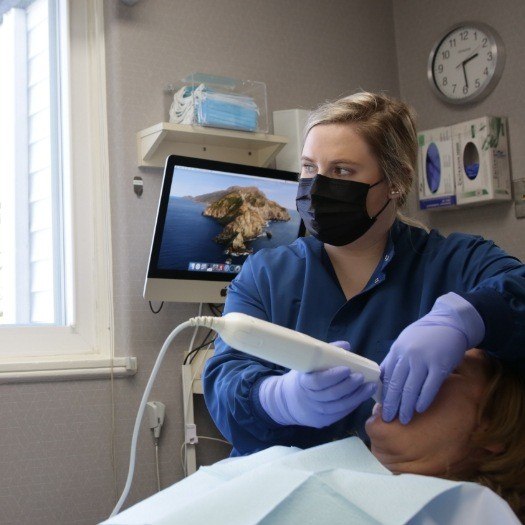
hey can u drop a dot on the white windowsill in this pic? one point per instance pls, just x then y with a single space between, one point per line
67 370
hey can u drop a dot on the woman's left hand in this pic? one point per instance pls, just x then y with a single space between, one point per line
425 353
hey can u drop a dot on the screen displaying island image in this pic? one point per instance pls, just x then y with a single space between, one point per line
215 219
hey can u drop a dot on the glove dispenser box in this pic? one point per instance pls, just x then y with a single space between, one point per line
481 161
436 169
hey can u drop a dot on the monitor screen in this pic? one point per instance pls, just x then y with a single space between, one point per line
211 216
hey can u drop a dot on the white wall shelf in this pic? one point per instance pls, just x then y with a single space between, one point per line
155 143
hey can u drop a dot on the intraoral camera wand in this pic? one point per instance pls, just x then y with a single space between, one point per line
289 348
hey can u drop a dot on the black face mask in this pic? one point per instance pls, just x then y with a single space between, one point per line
334 210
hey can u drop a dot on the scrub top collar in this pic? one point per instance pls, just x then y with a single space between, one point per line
378 276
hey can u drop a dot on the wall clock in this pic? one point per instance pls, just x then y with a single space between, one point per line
466 63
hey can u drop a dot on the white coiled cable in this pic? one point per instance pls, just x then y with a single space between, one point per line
205 321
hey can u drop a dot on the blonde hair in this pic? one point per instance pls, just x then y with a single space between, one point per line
501 418
388 127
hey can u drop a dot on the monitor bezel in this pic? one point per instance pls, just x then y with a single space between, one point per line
192 162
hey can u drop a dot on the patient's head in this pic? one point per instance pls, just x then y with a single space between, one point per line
474 430
439 439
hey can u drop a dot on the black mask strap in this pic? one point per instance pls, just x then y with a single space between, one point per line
375 184
386 204
381 210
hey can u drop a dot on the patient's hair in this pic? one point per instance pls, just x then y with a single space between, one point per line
502 421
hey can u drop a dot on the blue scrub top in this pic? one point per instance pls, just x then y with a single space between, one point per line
295 286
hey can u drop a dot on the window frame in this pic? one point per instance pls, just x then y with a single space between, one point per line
85 348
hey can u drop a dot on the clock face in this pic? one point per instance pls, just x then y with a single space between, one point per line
466 63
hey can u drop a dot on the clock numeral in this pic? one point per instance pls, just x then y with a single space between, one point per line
475 35
465 90
454 86
452 42
489 56
445 54
464 35
486 71
477 83
485 41
440 68
445 81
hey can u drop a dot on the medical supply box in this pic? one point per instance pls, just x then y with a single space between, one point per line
481 161
221 102
436 169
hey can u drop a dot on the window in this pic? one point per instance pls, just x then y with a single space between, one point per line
55 256
33 272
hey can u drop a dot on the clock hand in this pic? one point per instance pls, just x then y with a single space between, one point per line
472 57
462 65
474 53
464 74
469 59
466 61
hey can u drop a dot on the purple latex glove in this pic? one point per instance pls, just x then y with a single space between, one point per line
316 399
425 353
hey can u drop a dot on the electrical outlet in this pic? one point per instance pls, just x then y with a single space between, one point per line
156 411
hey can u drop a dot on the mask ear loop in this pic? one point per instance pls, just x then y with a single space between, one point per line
373 218
381 210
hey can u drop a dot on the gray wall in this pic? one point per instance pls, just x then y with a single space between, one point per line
55 439
418 24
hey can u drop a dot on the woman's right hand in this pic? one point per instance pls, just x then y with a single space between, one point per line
315 399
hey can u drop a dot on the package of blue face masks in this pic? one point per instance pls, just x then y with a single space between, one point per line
221 102
227 111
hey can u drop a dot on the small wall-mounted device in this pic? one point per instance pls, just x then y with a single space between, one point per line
290 123
519 198
138 186
156 413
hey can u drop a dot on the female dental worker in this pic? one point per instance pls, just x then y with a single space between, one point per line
409 299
